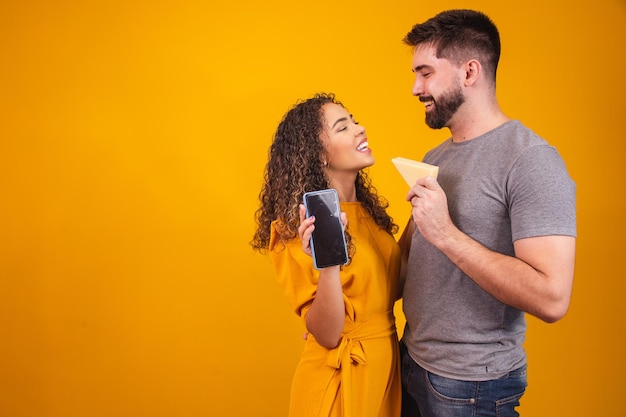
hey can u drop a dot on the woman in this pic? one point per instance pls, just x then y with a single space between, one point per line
349 366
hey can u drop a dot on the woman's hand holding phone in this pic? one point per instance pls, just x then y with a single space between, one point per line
306 228
323 224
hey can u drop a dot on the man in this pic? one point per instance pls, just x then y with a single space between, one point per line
492 238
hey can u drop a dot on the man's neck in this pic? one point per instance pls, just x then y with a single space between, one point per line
471 126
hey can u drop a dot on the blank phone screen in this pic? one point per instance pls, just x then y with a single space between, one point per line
327 241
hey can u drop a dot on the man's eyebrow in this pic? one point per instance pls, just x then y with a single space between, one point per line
421 67
342 119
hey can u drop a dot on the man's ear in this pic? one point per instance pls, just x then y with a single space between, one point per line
472 71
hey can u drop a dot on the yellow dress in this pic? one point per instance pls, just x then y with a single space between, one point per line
361 377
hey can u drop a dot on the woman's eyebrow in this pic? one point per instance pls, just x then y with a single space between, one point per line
342 119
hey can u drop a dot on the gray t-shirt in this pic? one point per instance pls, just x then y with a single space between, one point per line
505 185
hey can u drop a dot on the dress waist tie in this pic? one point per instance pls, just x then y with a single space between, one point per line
351 350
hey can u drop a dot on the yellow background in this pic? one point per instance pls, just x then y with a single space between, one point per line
133 137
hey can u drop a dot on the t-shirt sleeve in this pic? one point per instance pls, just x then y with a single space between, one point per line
294 271
542 195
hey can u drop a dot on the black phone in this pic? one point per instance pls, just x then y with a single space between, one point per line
328 243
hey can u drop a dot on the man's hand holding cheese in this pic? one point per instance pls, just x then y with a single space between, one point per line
430 210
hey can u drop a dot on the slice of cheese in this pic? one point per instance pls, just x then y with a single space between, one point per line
412 170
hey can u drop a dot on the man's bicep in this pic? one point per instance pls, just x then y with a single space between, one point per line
551 256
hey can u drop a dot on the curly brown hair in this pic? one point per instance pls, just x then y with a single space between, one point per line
295 166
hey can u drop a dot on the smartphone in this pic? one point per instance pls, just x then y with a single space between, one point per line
328 243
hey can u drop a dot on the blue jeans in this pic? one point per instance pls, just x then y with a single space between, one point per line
425 394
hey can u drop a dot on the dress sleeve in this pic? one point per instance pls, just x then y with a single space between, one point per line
294 271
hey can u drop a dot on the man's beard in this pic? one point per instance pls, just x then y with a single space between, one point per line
445 107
